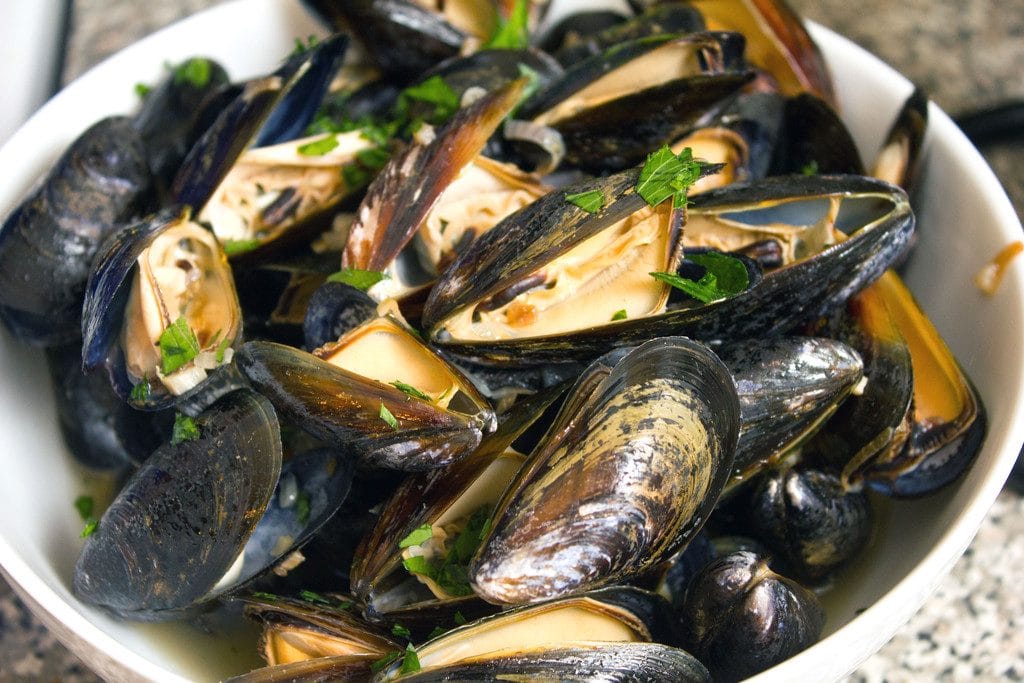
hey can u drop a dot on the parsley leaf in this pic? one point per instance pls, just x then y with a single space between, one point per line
140 392
360 279
235 247
221 348
302 507
591 202
385 660
810 168
512 33
264 596
84 505
195 72
141 89
667 175
418 536
386 415
301 47
433 91
411 662
438 631
619 315
91 525
185 429
451 573
724 276
374 158
410 390
178 346
318 148
354 175
418 564
401 631
459 619
310 596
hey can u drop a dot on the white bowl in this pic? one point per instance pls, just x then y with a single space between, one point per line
964 218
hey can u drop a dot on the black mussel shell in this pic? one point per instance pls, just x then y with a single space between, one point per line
334 310
814 140
900 156
180 522
48 243
742 618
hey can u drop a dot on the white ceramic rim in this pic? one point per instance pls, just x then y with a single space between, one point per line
892 609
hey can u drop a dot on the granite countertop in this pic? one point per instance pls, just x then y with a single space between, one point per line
965 55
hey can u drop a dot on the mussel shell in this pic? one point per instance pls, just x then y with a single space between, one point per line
645 446
900 156
593 662
785 298
48 243
787 387
742 618
182 519
814 137
810 520
320 670
170 120
335 309
342 408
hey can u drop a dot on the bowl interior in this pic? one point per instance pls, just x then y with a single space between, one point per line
964 218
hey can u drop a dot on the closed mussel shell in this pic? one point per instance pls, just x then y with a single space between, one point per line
645 446
48 243
181 521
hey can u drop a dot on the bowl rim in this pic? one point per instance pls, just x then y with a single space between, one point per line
893 609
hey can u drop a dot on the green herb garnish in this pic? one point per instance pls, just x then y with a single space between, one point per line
411 662
810 168
142 90
433 91
451 573
235 247
310 596
591 202
140 392
195 72
185 429
318 148
178 346
401 631
512 33
459 619
417 564
667 175
302 507
353 277
410 390
385 660
260 595
386 415
374 158
619 315
438 631
91 526
418 536
301 47
354 175
84 505
221 349
724 276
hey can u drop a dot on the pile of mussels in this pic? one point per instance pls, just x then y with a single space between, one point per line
612 355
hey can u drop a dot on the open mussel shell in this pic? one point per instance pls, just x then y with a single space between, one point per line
447 500
646 445
777 41
334 310
613 615
837 233
814 140
946 423
405 196
787 387
162 274
809 520
172 116
178 526
898 160
353 668
741 618
580 661
615 108
48 242
362 408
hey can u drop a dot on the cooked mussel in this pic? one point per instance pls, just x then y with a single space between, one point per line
161 311
378 391
645 445
48 243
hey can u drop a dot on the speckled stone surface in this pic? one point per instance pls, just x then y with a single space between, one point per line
966 54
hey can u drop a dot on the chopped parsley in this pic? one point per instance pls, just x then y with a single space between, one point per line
386 415
512 33
591 202
85 506
140 392
195 72
411 662
142 90
260 595
316 598
221 348
451 573
374 158
810 168
418 536
185 429
619 315
90 528
354 175
302 507
410 390
433 91
318 148
178 346
385 660
353 277
724 276
438 631
401 631
235 247
667 175
459 619
301 47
